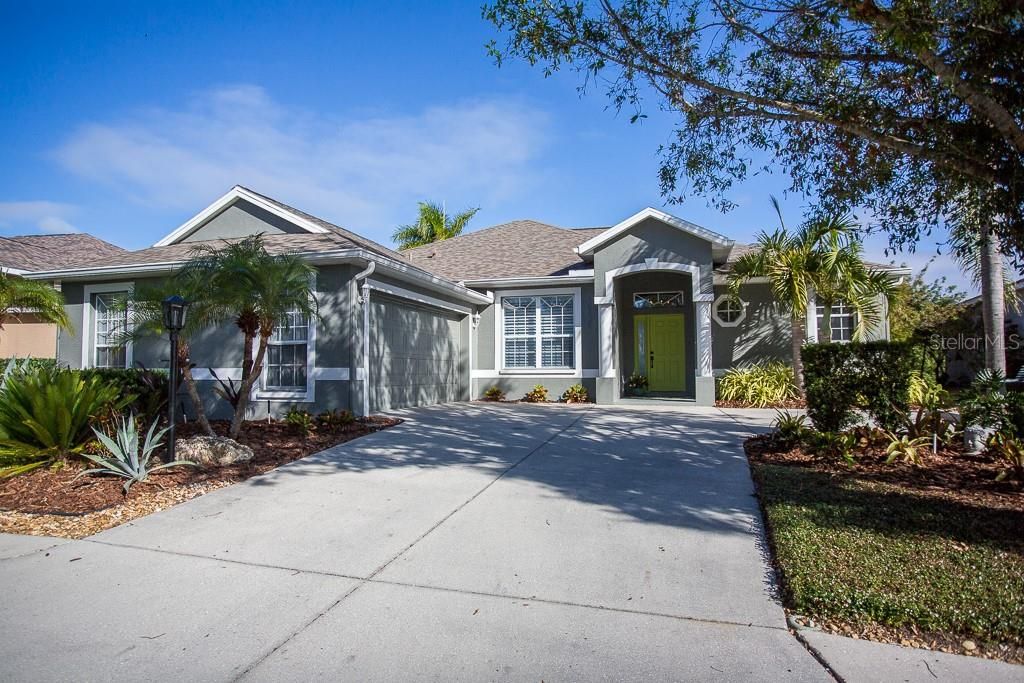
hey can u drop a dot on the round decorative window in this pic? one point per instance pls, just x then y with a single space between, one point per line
729 311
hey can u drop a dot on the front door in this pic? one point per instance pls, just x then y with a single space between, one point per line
661 351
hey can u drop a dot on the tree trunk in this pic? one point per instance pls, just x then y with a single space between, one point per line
193 391
797 322
248 380
992 305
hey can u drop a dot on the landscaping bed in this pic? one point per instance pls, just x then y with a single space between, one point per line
54 501
928 556
786 404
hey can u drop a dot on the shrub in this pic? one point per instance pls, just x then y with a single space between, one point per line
986 404
577 393
1010 450
147 388
301 421
126 459
833 445
45 415
26 365
539 394
336 419
790 429
906 449
494 394
760 384
839 378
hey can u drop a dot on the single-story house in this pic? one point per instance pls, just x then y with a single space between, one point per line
25 334
513 306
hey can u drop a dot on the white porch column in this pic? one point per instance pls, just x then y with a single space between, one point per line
606 313
702 303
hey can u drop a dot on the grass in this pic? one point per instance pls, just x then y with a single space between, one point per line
870 553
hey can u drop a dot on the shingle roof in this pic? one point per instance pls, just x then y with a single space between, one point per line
50 252
522 248
739 250
358 240
275 244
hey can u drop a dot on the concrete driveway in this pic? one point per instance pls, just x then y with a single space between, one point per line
473 542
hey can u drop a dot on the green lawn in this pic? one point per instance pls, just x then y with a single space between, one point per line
867 553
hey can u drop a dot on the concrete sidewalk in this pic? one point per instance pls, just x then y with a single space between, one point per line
472 542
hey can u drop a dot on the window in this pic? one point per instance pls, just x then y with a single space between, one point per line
109 342
287 352
539 331
643 300
729 311
842 318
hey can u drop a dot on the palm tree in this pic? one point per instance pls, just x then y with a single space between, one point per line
821 259
977 251
19 296
255 289
433 225
146 321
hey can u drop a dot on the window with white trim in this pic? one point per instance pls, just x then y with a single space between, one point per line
287 351
111 321
729 311
843 321
539 331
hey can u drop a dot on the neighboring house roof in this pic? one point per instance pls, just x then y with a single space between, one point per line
50 252
516 249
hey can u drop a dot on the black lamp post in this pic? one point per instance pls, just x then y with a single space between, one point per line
174 308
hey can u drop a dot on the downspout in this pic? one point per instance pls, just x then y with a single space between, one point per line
364 299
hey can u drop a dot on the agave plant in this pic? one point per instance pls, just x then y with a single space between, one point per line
127 460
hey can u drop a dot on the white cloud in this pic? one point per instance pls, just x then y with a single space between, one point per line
41 216
366 172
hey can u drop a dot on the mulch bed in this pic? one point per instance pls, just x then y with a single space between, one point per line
791 404
950 474
55 501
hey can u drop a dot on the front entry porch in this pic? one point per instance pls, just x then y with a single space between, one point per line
655 332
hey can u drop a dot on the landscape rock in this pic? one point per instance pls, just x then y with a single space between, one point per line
210 451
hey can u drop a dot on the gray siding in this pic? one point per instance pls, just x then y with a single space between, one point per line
763 335
242 219
653 239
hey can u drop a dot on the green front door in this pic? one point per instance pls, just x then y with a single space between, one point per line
661 351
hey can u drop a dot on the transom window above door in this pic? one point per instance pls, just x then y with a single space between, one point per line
646 300
539 331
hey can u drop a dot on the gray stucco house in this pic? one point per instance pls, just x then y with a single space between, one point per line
514 305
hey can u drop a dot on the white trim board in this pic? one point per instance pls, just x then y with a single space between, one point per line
225 201
533 373
611 233
410 295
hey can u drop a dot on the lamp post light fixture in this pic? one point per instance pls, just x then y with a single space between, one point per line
174 310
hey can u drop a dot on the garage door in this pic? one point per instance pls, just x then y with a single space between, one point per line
415 355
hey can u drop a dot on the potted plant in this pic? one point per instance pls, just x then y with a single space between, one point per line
636 385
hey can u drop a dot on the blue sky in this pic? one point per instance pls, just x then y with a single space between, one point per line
125 119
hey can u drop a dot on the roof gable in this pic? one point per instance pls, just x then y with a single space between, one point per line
596 242
232 196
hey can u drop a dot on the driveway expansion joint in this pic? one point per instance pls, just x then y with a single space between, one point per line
370 578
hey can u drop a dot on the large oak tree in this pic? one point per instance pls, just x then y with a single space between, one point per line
908 110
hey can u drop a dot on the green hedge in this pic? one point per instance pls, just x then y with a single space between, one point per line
28 364
873 376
